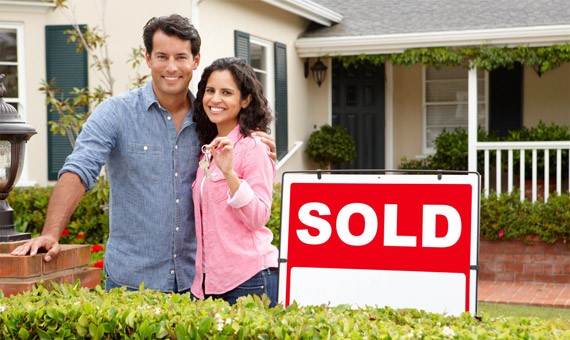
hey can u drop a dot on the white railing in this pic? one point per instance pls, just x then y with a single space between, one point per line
296 148
513 148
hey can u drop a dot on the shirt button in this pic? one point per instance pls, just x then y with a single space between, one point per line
169 118
177 228
177 201
172 272
145 148
174 255
176 147
176 174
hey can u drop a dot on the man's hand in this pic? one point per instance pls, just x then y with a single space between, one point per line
32 247
267 139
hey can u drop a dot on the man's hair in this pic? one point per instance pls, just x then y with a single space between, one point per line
172 25
257 116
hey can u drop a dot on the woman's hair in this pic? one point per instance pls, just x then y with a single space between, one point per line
172 25
256 116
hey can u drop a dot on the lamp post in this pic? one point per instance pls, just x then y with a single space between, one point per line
14 133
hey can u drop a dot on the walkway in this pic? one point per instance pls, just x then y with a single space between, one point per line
525 293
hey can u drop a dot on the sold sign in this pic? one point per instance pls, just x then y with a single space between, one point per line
403 240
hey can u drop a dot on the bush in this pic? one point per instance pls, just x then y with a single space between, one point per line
330 145
70 312
451 149
89 224
451 152
507 217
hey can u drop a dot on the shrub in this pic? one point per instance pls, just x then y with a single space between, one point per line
330 145
70 312
89 223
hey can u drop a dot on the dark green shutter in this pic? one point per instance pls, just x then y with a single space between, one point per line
241 46
68 69
506 100
281 124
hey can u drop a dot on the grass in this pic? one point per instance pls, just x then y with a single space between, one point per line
499 309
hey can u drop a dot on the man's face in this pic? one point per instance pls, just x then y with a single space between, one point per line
171 64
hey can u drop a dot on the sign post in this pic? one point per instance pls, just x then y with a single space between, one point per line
399 240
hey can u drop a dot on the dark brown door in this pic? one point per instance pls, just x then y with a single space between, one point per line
358 105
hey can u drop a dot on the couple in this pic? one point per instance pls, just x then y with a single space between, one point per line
173 227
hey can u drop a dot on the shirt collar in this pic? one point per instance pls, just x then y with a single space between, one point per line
149 97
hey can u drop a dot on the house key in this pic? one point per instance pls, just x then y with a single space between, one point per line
205 162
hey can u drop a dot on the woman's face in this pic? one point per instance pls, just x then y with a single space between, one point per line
222 101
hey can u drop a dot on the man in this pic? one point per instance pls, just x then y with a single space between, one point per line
149 144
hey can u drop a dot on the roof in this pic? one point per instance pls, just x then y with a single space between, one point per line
389 26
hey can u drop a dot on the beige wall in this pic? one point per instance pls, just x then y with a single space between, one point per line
547 98
307 104
215 20
125 32
407 113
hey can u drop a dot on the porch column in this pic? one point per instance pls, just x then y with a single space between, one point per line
472 120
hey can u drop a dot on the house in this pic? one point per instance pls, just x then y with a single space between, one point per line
393 109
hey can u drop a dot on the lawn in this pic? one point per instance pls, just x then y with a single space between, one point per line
499 309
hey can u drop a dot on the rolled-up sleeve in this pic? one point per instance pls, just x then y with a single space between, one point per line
252 201
92 146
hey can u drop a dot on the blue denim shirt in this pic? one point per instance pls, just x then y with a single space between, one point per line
151 168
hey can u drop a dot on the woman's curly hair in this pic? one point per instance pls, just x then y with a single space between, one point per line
256 116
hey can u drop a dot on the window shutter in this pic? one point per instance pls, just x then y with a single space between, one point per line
242 49
68 69
506 100
281 124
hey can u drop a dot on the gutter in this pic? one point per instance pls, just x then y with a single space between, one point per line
398 43
308 10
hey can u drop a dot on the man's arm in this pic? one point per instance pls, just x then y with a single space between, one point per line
64 199
267 139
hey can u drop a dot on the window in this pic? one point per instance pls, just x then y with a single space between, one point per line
9 64
261 61
268 59
446 100
11 58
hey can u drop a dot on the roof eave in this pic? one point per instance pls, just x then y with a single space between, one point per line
308 10
398 43
26 6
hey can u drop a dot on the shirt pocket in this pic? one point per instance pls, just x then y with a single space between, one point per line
216 189
145 162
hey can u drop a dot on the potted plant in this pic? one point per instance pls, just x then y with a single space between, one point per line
330 145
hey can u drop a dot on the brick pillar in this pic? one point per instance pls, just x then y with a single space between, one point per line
20 273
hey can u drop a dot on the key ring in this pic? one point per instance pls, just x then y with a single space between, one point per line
204 149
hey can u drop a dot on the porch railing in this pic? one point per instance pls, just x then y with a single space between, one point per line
558 150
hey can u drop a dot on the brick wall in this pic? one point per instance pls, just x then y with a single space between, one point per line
533 261
20 273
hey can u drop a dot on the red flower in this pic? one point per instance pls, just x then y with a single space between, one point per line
99 264
80 235
501 233
65 232
96 248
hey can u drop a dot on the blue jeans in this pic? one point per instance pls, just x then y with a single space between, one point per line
264 282
110 284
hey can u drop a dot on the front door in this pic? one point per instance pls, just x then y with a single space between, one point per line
358 105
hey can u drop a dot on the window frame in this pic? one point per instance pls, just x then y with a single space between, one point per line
427 150
20 101
269 84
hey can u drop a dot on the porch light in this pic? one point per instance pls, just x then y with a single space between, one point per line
319 71
14 133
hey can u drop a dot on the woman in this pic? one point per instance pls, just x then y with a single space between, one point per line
233 188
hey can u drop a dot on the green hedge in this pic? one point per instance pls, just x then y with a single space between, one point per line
70 312
502 216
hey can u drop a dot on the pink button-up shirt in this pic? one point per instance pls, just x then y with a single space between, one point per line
233 242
